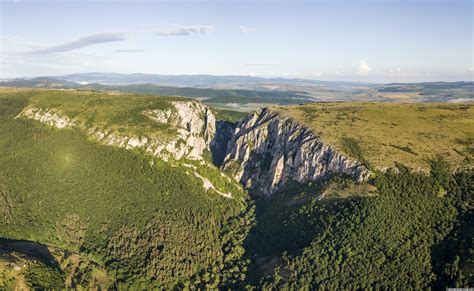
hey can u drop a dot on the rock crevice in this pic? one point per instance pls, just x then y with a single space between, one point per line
268 149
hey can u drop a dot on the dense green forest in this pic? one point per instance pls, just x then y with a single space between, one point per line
147 222
415 232
124 220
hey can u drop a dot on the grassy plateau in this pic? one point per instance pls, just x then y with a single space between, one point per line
385 133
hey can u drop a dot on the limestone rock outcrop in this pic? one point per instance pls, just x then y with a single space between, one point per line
268 149
194 122
263 151
52 117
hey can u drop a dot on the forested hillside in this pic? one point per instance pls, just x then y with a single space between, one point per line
146 222
370 196
414 231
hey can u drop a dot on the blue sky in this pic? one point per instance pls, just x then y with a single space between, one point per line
383 41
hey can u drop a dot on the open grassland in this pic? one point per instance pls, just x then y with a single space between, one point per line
121 112
381 134
116 112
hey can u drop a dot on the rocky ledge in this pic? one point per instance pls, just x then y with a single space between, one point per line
194 122
263 151
268 149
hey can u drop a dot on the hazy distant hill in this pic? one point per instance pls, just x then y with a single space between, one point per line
248 93
40 82
211 95
188 80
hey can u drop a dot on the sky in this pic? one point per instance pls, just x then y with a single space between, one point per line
376 41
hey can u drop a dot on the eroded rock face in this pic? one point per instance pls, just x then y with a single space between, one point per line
268 149
196 127
196 118
52 117
263 151
194 122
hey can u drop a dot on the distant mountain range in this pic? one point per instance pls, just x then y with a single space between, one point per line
190 80
230 91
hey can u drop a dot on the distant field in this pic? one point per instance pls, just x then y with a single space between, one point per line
247 96
428 92
381 134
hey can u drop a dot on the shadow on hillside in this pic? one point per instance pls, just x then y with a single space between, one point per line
224 133
281 228
29 250
451 258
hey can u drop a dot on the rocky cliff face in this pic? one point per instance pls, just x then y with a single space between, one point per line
194 122
52 117
194 118
268 149
263 151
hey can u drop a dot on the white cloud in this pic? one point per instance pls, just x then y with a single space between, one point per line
363 68
15 43
11 38
182 30
17 65
81 42
129 51
247 30
263 65
317 74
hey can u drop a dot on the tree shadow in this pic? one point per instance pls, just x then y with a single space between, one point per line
452 258
29 250
281 228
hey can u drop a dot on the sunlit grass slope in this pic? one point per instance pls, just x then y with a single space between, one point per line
115 111
381 134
